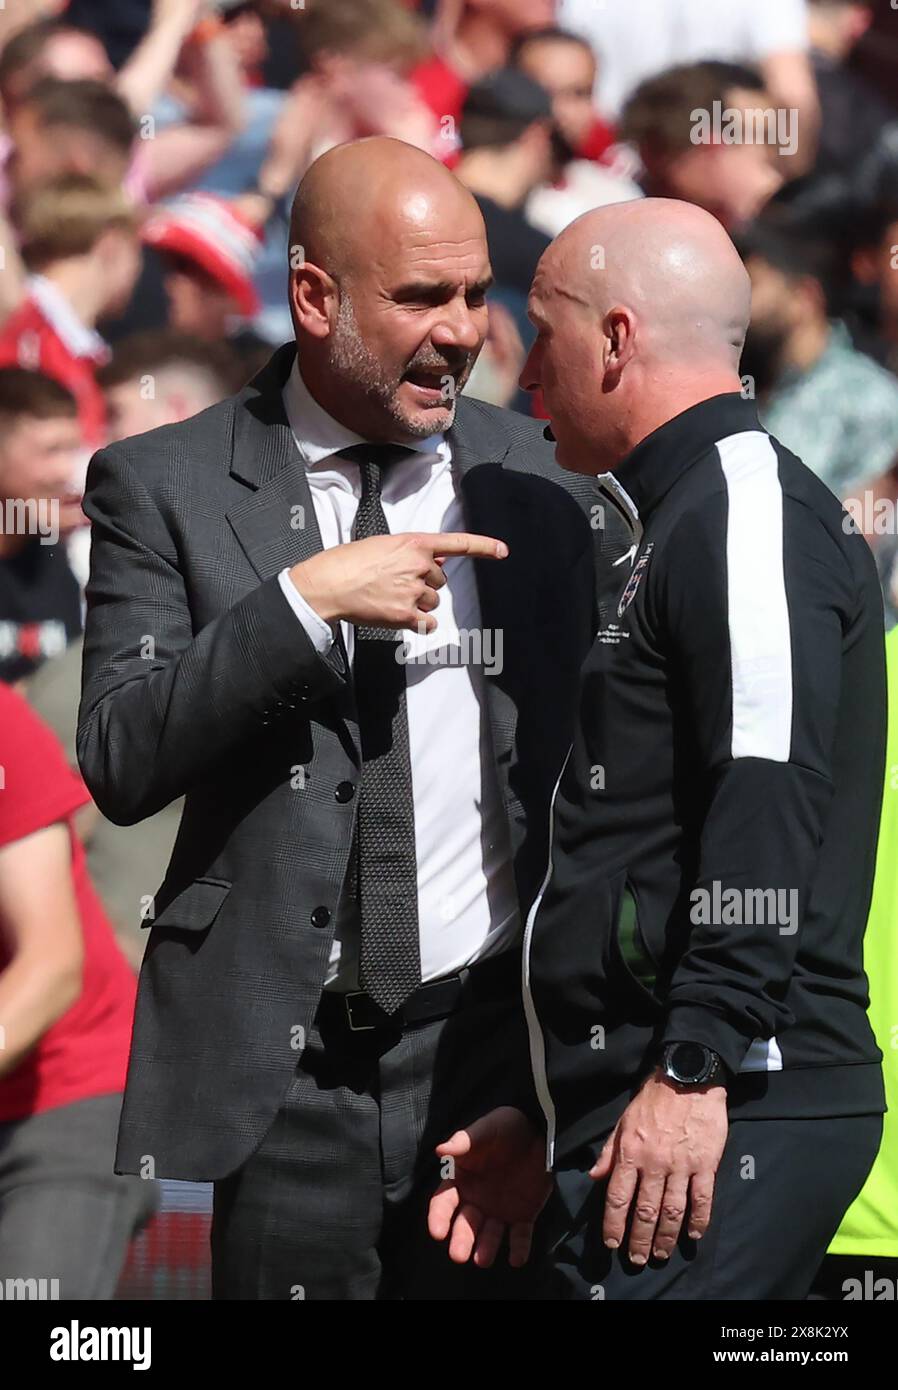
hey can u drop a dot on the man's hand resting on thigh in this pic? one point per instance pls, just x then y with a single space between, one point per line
662 1158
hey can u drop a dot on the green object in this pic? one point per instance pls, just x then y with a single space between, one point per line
870 1225
634 954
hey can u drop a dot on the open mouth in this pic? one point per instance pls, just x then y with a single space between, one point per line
434 385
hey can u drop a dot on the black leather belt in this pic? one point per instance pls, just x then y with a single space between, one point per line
357 1011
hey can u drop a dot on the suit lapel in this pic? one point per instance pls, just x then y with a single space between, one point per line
275 523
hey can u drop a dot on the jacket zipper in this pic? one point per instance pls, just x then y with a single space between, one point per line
618 498
537 1039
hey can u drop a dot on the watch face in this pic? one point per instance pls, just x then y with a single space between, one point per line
689 1061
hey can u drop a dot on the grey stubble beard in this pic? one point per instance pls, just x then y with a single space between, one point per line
353 362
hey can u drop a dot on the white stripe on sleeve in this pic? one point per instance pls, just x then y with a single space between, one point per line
758 613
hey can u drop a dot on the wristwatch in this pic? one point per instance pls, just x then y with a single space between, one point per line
692 1064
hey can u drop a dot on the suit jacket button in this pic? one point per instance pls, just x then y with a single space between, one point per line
320 917
344 791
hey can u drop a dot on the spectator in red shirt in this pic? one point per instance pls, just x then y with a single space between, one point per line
471 38
80 241
66 1007
566 66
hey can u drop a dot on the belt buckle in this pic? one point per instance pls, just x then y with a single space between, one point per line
353 1026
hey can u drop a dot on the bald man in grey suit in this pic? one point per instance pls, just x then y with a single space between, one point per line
333 971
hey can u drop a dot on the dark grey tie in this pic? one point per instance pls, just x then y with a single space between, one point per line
387 865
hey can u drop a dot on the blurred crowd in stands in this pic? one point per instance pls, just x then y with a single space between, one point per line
149 151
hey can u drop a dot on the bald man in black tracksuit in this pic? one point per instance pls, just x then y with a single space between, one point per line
693 975
714 838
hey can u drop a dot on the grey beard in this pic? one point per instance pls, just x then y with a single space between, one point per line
353 362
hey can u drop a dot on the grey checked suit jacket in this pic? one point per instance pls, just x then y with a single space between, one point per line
199 681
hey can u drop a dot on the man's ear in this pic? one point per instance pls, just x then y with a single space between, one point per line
619 328
314 297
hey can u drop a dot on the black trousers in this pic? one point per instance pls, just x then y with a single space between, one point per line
782 1188
333 1203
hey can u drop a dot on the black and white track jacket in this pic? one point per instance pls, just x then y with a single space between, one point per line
714 828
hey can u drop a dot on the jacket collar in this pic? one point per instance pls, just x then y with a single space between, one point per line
650 470
263 440
264 443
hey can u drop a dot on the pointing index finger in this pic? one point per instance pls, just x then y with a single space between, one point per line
464 543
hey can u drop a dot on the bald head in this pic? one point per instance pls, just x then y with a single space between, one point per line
389 270
671 263
360 198
642 309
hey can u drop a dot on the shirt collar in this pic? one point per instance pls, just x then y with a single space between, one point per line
80 340
318 435
652 468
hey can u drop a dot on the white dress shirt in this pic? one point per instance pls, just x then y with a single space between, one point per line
467 905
